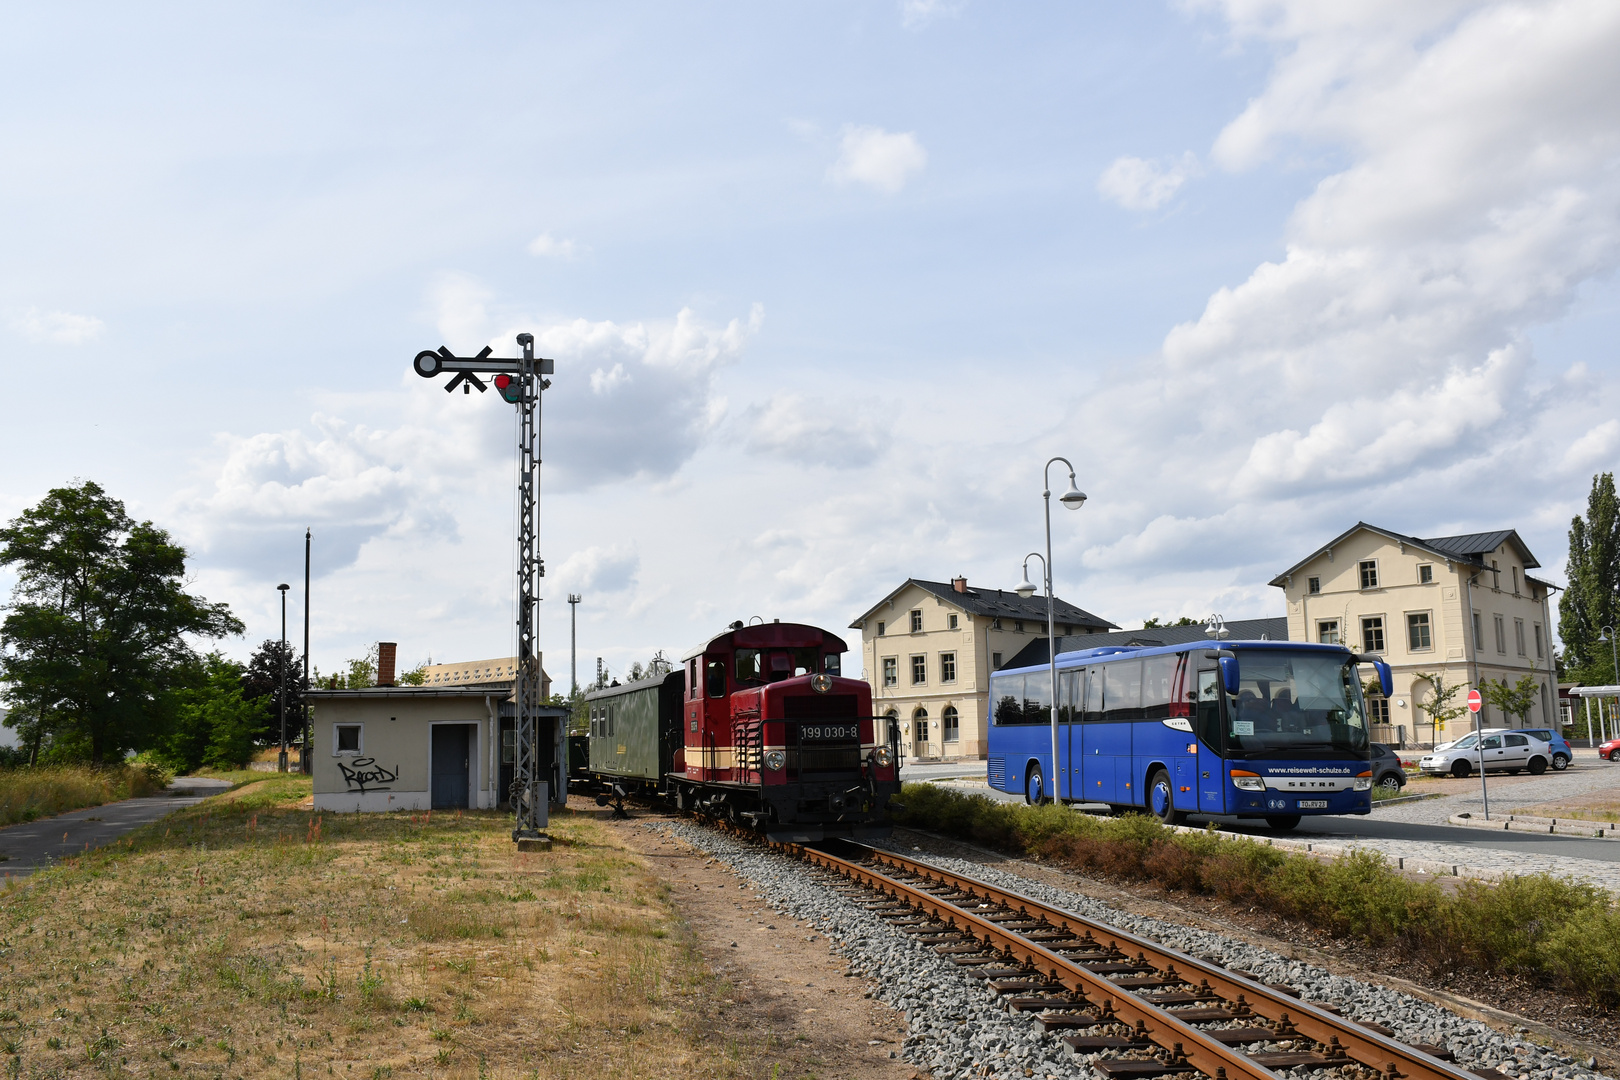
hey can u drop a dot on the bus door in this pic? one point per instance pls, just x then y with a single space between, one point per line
1096 768
1207 723
1071 738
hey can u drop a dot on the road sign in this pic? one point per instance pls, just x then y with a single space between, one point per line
1475 702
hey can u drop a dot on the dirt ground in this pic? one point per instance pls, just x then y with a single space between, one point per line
785 985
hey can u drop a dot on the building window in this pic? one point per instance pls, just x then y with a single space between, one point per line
1540 648
1372 633
1378 709
1313 585
995 624
1518 635
1328 632
1018 626
1425 573
1369 574
1417 632
1501 634
995 660
345 739
1496 577
952 723
881 626
916 622
919 670
950 620
1515 581
1479 635
947 667
891 671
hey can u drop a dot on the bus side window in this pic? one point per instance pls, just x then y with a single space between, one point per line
717 678
1094 695
1069 688
1208 720
1158 676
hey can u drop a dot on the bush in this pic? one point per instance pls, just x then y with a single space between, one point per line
1561 931
30 793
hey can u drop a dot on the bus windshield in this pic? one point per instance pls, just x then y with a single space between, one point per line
1293 703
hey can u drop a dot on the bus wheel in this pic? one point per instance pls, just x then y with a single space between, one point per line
1034 787
1282 822
1161 799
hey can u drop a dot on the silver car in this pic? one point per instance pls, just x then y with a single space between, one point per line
1502 751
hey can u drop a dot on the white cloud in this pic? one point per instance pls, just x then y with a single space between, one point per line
547 246
814 431
610 569
1595 448
916 14
877 158
54 327
1138 184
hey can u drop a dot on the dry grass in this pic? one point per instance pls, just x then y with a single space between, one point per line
41 791
246 937
1603 806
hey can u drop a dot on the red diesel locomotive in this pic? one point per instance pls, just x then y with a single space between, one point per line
757 726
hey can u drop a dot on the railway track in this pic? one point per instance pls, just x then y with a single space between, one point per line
1135 1009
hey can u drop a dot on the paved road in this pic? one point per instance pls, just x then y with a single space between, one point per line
42 843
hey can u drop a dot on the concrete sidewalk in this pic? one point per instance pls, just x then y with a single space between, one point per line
35 844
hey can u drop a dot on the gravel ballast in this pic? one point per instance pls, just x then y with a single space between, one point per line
958 1028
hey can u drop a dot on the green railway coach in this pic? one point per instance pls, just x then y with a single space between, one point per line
635 731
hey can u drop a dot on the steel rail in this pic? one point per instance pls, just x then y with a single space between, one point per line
1200 1050
1389 1056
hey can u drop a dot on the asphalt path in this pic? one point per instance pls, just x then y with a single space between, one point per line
43 843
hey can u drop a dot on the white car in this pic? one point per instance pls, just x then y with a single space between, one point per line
1503 751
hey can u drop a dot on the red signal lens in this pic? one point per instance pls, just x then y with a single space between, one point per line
502 381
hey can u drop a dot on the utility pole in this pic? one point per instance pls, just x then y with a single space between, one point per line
281 678
305 765
573 641
520 382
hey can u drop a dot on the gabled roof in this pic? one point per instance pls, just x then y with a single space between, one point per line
995 604
1470 548
1240 630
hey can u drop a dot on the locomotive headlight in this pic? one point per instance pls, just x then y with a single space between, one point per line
775 759
882 757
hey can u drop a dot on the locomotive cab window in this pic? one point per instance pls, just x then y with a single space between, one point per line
717 678
830 663
748 667
804 661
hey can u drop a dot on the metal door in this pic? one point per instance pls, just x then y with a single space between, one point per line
452 761
1096 768
1207 726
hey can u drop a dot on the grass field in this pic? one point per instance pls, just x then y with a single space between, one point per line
30 793
248 937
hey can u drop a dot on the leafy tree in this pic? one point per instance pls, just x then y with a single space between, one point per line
262 683
95 637
1592 600
1439 705
1515 700
215 724
1155 624
417 676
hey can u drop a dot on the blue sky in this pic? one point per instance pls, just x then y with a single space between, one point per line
826 285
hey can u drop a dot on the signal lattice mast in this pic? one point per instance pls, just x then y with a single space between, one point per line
520 382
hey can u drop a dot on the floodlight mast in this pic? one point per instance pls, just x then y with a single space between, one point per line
523 386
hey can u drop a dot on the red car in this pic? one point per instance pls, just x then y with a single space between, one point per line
1610 750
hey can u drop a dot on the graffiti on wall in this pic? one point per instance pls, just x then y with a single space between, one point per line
363 774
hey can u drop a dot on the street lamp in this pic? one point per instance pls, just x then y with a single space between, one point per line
1074 499
573 642
281 679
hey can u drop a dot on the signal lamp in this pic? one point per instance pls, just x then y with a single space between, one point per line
509 387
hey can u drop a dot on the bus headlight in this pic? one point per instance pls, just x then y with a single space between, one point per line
882 757
775 759
1363 782
1248 781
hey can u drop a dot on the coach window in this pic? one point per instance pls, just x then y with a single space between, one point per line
748 669
1008 692
1093 704
1209 709
1158 677
1122 689
717 677
1038 699
1069 699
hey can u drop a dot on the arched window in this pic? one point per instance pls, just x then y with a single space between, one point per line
952 724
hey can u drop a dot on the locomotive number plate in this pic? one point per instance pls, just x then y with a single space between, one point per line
829 732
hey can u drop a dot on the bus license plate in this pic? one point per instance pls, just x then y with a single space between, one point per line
1313 804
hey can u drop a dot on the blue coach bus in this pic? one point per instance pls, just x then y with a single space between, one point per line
1251 729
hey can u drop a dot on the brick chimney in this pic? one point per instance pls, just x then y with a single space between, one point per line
959 584
385 662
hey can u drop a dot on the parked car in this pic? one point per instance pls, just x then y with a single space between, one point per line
1498 749
1610 750
1562 752
1387 771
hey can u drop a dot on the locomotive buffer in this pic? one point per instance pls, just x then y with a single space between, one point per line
520 382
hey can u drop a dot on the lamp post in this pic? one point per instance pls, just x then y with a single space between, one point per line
573 641
281 680
1074 499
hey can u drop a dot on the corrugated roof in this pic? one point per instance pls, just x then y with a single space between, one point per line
1240 630
998 604
1476 545
1468 548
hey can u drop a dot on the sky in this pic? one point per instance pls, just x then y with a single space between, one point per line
826 286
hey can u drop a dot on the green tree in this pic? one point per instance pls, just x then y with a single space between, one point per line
1515 700
1154 623
1592 600
96 634
215 723
1439 706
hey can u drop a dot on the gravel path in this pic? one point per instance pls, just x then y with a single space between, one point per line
958 1029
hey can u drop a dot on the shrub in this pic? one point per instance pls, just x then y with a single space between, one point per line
41 791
